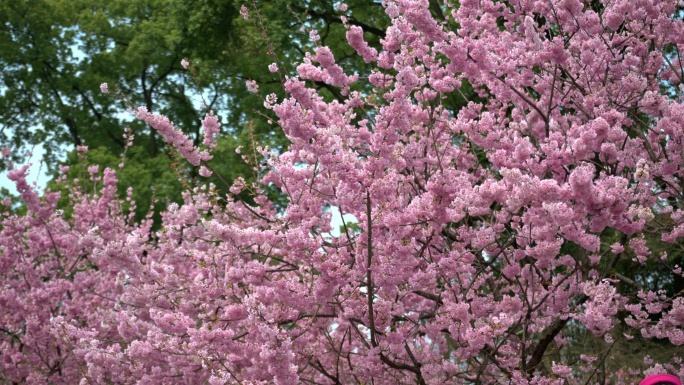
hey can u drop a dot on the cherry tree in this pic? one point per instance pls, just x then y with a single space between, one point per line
479 245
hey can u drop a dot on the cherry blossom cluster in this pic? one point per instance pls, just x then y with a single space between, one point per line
478 244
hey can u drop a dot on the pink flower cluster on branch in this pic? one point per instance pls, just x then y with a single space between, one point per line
173 136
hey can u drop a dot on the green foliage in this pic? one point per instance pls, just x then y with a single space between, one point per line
56 53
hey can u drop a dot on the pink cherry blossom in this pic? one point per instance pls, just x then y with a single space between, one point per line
252 86
520 236
244 12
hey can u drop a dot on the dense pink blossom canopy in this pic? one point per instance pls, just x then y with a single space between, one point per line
476 244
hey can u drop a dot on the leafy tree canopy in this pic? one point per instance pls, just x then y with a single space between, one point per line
56 53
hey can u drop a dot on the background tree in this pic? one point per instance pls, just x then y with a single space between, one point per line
55 55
